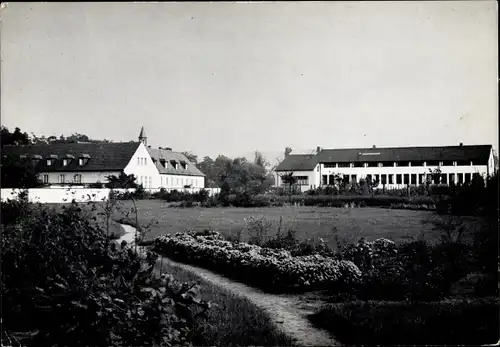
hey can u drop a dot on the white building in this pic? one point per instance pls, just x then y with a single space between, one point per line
394 167
65 164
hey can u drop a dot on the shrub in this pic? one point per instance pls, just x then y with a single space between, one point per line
258 229
64 281
449 322
270 269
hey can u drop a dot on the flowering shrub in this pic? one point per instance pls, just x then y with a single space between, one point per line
271 269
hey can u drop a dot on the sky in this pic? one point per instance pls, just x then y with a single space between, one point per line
230 78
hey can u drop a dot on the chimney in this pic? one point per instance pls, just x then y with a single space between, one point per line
167 148
149 146
461 144
160 148
374 146
318 149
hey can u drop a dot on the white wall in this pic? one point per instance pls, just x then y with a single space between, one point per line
312 175
66 195
145 170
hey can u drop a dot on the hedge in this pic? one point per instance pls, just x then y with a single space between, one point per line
270 269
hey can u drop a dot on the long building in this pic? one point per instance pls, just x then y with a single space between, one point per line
64 164
392 167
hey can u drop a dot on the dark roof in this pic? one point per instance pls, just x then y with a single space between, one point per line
175 157
479 154
297 162
103 156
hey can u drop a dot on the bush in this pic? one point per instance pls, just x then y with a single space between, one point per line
258 229
450 322
64 283
270 269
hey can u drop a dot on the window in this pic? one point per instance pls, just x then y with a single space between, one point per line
344 164
330 165
77 178
45 178
467 177
399 179
448 163
325 179
380 164
80 161
331 180
417 163
346 179
451 178
138 161
391 179
383 178
368 177
433 163
372 164
403 163
463 163
358 164
49 162
421 178
62 178
460 178
444 179
354 178
387 163
413 179
65 162
406 178
302 180
377 178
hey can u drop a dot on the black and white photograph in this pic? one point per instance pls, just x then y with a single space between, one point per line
249 173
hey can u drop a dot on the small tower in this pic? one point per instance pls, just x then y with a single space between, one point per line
142 137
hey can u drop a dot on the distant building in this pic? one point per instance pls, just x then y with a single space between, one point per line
393 167
86 163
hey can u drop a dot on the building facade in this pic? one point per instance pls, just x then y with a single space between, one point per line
394 167
64 164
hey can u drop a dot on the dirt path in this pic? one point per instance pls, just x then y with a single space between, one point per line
288 311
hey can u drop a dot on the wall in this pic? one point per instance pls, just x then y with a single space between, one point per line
312 175
143 171
62 195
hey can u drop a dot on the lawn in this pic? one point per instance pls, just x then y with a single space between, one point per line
308 222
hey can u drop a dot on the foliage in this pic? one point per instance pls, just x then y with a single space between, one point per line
258 229
447 322
18 173
270 269
15 138
123 181
83 290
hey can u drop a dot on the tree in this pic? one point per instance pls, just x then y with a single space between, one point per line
193 158
122 181
15 138
289 180
18 173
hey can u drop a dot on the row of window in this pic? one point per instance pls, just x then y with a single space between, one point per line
400 163
66 161
141 161
405 178
176 181
76 178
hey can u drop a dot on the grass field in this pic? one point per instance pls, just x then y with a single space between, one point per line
309 222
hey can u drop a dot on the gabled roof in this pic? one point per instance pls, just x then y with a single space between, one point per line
478 153
101 156
297 162
176 157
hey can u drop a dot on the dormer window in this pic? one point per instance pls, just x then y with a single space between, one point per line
163 162
84 158
51 159
65 162
35 159
174 163
23 156
67 159
184 164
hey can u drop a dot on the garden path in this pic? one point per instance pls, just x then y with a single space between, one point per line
289 312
